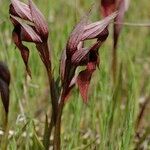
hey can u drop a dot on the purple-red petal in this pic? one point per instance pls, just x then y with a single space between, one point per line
81 57
39 21
20 9
27 32
93 30
76 36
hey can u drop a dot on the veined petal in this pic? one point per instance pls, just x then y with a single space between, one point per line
39 21
76 35
92 30
81 57
27 33
20 9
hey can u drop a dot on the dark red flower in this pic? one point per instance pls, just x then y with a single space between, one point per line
108 7
76 54
4 85
30 26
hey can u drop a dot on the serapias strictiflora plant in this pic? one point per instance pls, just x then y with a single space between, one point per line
106 8
76 54
30 26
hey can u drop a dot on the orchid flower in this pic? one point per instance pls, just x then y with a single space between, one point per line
75 54
30 26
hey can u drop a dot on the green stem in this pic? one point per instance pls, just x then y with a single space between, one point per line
45 56
57 132
46 139
53 94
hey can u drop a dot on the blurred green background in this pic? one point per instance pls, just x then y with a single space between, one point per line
108 121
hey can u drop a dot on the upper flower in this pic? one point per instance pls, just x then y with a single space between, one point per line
30 26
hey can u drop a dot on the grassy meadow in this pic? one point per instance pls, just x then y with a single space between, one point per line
109 121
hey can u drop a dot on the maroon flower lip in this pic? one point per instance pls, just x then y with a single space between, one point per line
76 54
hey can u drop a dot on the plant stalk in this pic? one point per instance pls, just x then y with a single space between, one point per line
45 56
53 94
57 132
44 50
47 134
